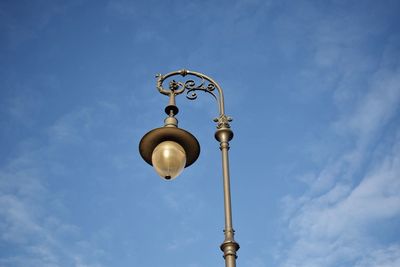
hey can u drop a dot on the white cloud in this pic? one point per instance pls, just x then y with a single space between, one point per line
72 127
30 221
332 223
376 106
387 257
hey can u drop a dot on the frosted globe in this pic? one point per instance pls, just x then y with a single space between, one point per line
168 159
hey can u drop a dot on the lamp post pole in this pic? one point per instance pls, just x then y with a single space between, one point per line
170 131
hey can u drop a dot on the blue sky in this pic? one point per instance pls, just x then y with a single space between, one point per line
314 90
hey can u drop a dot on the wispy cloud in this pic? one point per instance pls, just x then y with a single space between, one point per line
31 221
333 222
388 257
335 225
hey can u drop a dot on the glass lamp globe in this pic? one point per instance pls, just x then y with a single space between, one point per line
168 159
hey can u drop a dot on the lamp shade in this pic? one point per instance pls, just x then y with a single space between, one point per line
161 146
168 159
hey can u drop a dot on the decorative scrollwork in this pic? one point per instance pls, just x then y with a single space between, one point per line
191 87
223 121
174 85
203 83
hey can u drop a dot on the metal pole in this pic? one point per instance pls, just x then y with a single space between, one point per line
224 134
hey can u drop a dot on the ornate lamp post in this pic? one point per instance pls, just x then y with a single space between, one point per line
170 149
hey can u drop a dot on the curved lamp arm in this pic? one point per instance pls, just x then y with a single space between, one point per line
176 88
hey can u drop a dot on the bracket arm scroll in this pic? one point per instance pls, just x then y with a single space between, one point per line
176 88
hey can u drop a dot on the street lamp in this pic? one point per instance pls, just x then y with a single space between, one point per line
170 149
